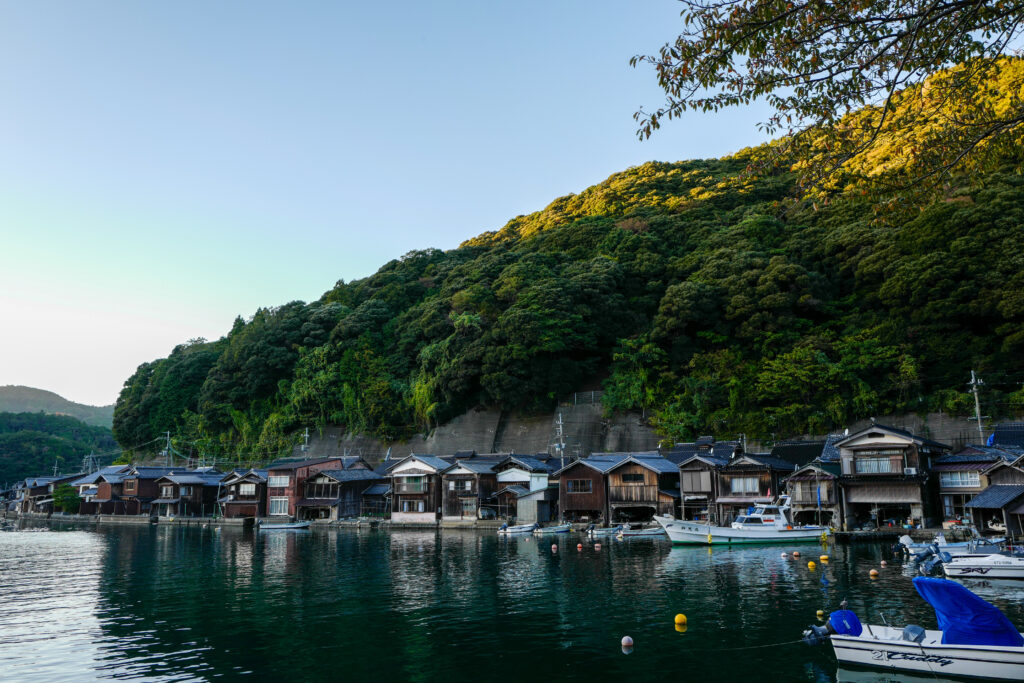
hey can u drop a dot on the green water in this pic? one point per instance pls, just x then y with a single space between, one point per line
177 604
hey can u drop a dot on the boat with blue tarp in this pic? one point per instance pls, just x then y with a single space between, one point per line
973 639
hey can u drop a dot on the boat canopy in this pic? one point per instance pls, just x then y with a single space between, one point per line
964 618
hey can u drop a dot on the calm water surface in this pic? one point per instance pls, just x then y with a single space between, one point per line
183 604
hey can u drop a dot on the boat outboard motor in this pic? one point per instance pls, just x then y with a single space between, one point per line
903 545
840 622
934 559
503 526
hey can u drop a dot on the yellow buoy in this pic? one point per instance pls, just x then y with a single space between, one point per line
823 558
681 628
811 565
821 614
680 619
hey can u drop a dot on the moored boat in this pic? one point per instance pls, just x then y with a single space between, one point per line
648 532
282 526
559 529
506 530
988 566
973 639
594 531
766 524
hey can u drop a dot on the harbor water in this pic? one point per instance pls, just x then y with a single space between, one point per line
167 603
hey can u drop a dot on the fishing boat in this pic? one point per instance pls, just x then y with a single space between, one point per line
506 530
766 524
912 546
545 530
973 639
282 526
594 531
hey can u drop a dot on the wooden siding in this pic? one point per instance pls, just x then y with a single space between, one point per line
574 504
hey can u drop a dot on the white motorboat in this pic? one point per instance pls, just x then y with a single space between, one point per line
594 531
973 639
987 566
560 529
282 526
766 524
506 530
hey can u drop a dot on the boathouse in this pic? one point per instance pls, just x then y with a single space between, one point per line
748 480
814 494
139 488
698 483
286 478
87 486
187 494
884 478
416 488
468 486
336 494
583 488
525 489
642 485
244 493
107 501
962 476
1000 507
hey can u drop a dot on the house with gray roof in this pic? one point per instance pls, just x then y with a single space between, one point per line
191 493
747 480
416 488
1000 506
243 493
813 492
698 484
962 476
336 494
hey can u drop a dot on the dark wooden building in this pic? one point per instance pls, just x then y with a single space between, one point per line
188 494
286 480
642 485
748 480
416 494
244 493
336 494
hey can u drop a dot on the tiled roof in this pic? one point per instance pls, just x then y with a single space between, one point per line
194 478
602 462
433 461
350 461
798 452
351 475
95 476
830 453
764 459
997 497
974 453
516 491
961 466
477 465
1009 434
146 472
529 463
808 473
897 430
719 449
294 464
377 489
716 460
654 462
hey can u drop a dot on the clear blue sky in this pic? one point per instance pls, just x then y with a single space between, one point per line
166 166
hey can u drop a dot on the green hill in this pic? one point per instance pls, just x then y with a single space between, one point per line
17 399
30 444
705 298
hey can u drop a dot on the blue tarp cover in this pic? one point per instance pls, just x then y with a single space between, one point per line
964 618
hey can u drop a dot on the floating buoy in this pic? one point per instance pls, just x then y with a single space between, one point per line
681 628
579 546
873 573
627 641
823 558
811 565
821 614
680 619
597 546
554 547
884 563
796 553
784 555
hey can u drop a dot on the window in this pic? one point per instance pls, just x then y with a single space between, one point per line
186 490
696 481
129 484
412 506
451 485
872 465
744 484
633 478
579 486
166 491
279 506
955 479
278 480
247 489
468 485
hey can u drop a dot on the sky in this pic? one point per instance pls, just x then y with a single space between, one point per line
168 166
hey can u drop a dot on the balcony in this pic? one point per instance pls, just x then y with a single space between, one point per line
633 494
412 488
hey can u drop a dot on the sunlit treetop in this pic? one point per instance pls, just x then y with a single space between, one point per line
895 65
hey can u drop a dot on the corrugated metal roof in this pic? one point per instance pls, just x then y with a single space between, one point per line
997 497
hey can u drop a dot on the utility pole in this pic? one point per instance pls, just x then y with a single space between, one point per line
560 445
974 384
167 451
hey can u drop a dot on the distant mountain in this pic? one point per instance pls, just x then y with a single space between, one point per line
17 399
32 443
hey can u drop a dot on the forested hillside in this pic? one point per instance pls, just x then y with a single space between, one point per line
712 301
30 444
17 399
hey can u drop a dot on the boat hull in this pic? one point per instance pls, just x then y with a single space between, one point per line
984 567
522 529
544 531
888 651
691 533
284 527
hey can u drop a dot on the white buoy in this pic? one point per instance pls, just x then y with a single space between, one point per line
554 547
784 555
627 641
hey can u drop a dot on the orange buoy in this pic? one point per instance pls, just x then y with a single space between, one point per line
873 573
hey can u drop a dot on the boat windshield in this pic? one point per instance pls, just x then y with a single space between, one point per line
749 520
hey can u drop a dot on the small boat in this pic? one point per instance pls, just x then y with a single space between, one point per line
766 524
974 638
912 546
545 530
648 532
984 566
282 526
506 530
594 531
